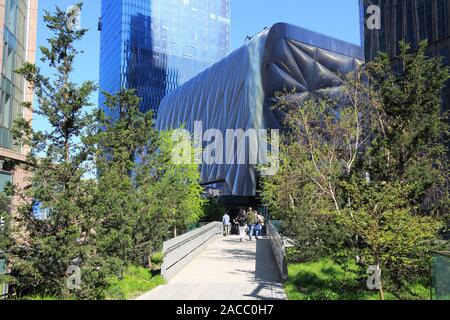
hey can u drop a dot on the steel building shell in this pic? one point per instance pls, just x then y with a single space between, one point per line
237 92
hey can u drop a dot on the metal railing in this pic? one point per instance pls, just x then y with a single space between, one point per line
179 251
279 250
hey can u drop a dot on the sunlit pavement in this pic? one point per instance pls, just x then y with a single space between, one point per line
226 270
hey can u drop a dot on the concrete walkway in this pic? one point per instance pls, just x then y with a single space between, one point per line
226 270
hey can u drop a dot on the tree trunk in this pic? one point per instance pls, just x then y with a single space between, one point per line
67 150
381 292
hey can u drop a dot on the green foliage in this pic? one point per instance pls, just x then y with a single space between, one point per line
124 230
58 163
40 298
371 162
213 210
133 282
317 152
176 195
157 259
5 224
410 131
97 225
393 237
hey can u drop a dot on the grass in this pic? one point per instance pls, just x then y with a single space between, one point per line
327 280
41 298
134 282
37 297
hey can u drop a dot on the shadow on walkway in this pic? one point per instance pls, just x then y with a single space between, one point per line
226 270
266 273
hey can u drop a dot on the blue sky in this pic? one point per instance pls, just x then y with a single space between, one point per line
339 19
335 18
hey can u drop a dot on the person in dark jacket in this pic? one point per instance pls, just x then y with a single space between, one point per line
241 221
252 220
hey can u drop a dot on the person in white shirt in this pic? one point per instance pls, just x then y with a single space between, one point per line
226 224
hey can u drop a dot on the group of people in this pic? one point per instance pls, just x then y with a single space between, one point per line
248 222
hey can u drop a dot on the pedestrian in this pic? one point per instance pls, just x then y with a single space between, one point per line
258 225
226 224
251 222
241 220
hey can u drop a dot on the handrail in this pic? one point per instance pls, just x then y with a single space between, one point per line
195 233
179 251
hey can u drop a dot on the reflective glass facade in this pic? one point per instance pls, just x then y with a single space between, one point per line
412 20
154 46
13 56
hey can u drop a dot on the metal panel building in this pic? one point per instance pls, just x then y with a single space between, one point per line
237 93
412 21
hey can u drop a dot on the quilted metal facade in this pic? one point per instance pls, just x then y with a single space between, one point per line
237 92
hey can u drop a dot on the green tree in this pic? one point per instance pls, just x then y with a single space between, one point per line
107 183
126 137
142 194
5 231
306 216
213 209
58 165
410 131
171 190
319 149
122 136
393 238
330 168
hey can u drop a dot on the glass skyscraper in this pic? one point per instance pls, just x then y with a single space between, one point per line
18 24
18 34
154 46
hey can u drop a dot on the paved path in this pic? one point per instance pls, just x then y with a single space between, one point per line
226 270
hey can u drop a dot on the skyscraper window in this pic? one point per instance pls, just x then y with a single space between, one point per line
154 46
